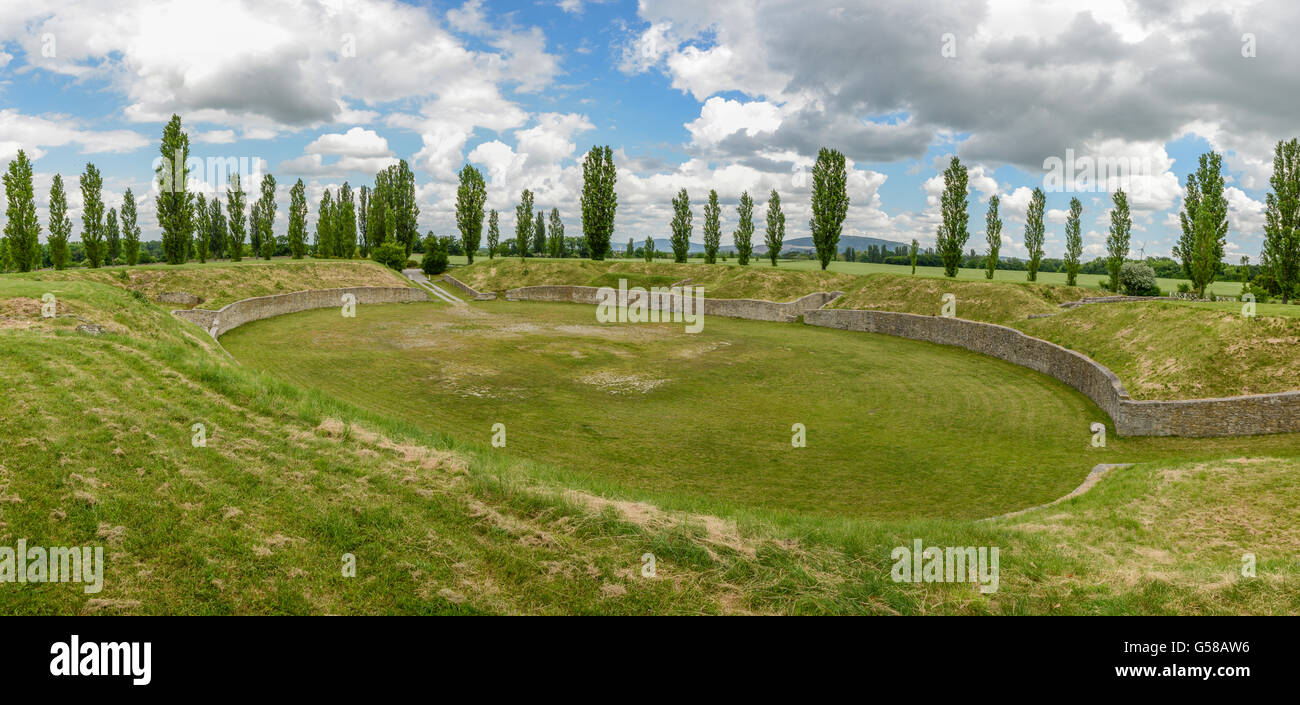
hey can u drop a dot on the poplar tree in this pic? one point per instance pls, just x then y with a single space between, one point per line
912 254
951 237
216 229
298 220
130 230
524 222
681 225
992 233
174 200
712 227
556 236
1121 226
1034 232
775 235
266 216
23 230
599 201
830 203
1280 255
471 195
235 199
324 226
649 250
494 234
202 227
60 224
92 216
744 235
363 219
345 223
539 234
1073 242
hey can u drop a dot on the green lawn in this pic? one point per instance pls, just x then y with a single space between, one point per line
896 428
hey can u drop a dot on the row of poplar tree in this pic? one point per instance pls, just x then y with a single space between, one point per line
1203 221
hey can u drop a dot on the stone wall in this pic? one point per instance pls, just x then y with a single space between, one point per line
469 290
1232 416
752 309
233 315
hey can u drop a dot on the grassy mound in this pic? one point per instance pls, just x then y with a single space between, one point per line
1169 350
720 281
220 283
991 302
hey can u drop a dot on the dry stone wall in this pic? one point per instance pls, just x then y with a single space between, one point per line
233 315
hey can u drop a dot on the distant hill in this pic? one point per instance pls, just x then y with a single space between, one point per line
857 242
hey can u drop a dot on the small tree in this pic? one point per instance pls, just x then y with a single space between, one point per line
22 230
1034 232
1244 271
649 249
61 224
112 238
92 216
524 222
830 203
325 225
202 227
1121 226
911 254
131 229
775 235
1073 242
681 226
599 201
631 249
298 220
435 259
216 228
494 234
471 195
744 235
993 234
712 228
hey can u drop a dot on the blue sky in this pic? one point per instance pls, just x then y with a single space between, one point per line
727 95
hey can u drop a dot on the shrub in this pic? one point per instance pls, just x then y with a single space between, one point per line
1138 279
435 256
390 254
1261 294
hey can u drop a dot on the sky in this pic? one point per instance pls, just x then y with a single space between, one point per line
727 95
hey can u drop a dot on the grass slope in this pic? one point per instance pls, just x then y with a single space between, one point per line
1002 303
220 283
719 281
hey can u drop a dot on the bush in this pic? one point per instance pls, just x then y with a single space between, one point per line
1138 279
1184 288
435 256
1261 294
390 254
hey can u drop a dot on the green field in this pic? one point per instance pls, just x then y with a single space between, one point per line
896 428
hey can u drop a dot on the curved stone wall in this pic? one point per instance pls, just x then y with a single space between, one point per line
236 314
752 309
1230 416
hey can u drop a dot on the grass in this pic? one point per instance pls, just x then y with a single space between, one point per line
1002 303
859 269
722 281
97 451
220 283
